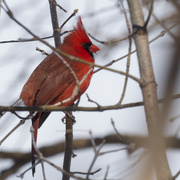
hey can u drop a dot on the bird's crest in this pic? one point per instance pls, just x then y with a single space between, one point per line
78 35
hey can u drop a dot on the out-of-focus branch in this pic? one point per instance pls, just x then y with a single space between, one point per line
20 40
129 53
20 159
73 14
162 33
21 122
148 87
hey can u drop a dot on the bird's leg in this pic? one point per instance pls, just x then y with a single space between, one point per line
67 114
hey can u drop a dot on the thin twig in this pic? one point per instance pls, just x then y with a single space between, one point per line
77 89
43 170
174 118
20 40
91 173
28 169
21 122
95 158
2 113
129 54
149 14
42 51
92 141
90 100
109 42
73 14
20 117
112 151
120 137
106 174
161 34
60 169
60 7
176 175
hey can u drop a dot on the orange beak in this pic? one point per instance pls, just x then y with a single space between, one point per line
93 48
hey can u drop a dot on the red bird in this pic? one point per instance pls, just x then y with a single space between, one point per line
52 81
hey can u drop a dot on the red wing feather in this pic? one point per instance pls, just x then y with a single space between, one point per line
54 85
48 81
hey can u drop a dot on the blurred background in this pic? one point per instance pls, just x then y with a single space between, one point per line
105 21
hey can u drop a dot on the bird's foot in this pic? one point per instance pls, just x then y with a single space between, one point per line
68 115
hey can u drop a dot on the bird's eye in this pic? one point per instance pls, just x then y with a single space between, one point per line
87 45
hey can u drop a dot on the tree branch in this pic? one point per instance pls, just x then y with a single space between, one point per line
148 87
54 19
68 145
75 108
20 158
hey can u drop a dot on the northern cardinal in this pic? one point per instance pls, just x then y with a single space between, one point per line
52 81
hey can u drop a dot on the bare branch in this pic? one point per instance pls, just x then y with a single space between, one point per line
75 108
42 51
149 14
161 34
174 118
91 173
20 40
60 7
21 122
54 19
22 158
95 158
90 100
176 175
109 42
73 14
129 53
107 170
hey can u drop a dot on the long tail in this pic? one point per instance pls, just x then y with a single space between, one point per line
35 124
37 121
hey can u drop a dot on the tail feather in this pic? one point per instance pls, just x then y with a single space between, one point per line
35 124
43 117
33 159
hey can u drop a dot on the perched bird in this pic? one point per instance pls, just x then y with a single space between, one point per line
52 81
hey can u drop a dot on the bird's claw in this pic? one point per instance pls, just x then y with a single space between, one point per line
67 114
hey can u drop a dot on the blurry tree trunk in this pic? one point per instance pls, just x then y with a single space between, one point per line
148 86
